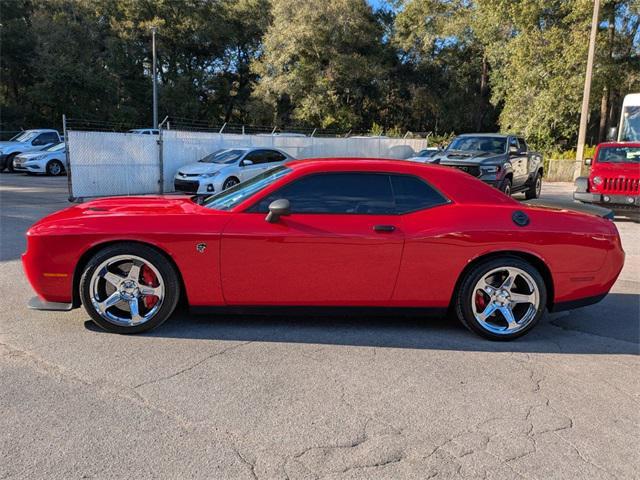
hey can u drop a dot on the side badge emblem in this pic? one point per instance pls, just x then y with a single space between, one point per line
201 247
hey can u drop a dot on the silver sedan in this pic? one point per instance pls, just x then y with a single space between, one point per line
225 168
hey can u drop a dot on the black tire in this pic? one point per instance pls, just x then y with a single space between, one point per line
535 188
465 295
230 182
506 186
9 162
55 168
155 258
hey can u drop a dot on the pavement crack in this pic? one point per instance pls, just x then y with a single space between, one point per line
192 366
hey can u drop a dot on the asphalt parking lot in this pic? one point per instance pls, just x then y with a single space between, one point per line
268 397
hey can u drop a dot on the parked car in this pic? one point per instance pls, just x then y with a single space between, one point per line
424 155
503 161
225 168
27 141
331 233
614 179
50 161
145 131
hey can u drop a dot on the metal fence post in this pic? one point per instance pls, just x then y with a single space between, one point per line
66 157
161 153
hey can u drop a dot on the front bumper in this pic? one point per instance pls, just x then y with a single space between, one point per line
618 201
205 186
27 167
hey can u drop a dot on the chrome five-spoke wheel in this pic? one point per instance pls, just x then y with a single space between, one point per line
127 290
501 298
505 300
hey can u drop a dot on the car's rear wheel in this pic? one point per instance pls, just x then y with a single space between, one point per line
230 182
506 186
535 188
129 288
502 298
55 168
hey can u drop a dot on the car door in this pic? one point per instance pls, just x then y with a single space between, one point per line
518 162
252 164
341 244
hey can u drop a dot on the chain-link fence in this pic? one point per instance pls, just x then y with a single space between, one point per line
105 163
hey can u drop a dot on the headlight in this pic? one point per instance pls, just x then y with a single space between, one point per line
490 169
209 175
597 180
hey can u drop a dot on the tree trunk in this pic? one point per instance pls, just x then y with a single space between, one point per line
604 115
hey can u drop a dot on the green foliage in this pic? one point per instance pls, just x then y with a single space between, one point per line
420 66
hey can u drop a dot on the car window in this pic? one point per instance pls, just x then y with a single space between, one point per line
523 145
336 193
45 138
274 156
412 194
513 142
478 144
621 154
258 156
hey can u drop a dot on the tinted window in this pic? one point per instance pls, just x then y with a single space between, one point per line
413 194
45 138
478 144
513 142
274 156
347 193
523 145
258 156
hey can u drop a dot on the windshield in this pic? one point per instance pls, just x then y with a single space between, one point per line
619 155
479 144
426 153
24 136
55 148
233 196
630 128
223 156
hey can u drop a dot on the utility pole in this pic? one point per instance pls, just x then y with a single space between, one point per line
584 114
155 77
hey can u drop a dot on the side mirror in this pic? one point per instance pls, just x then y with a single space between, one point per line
246 163
588 161
513 150
277 209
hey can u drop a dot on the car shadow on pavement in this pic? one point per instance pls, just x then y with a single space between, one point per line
611 327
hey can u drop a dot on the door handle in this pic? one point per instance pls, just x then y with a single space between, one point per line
384 228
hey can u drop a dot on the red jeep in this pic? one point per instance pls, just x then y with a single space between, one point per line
614 180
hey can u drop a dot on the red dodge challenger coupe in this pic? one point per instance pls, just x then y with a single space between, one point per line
326 233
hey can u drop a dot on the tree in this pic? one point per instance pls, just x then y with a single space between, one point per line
322 63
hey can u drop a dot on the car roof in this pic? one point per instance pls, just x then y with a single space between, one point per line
41 130
361 164
619 144
501 135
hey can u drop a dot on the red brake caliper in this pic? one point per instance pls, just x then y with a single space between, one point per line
481 302
150 280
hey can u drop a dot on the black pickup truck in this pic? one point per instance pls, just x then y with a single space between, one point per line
503 161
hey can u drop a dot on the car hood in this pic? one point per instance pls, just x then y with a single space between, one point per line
32 155
148 206
9 144
627 170
199 168
468 158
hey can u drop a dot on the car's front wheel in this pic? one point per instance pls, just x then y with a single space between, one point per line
55 168
230 182
129 288
506 186
501 298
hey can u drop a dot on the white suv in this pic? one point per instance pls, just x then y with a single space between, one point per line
225 168
27 141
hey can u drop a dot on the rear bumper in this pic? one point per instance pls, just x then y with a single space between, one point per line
579 303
